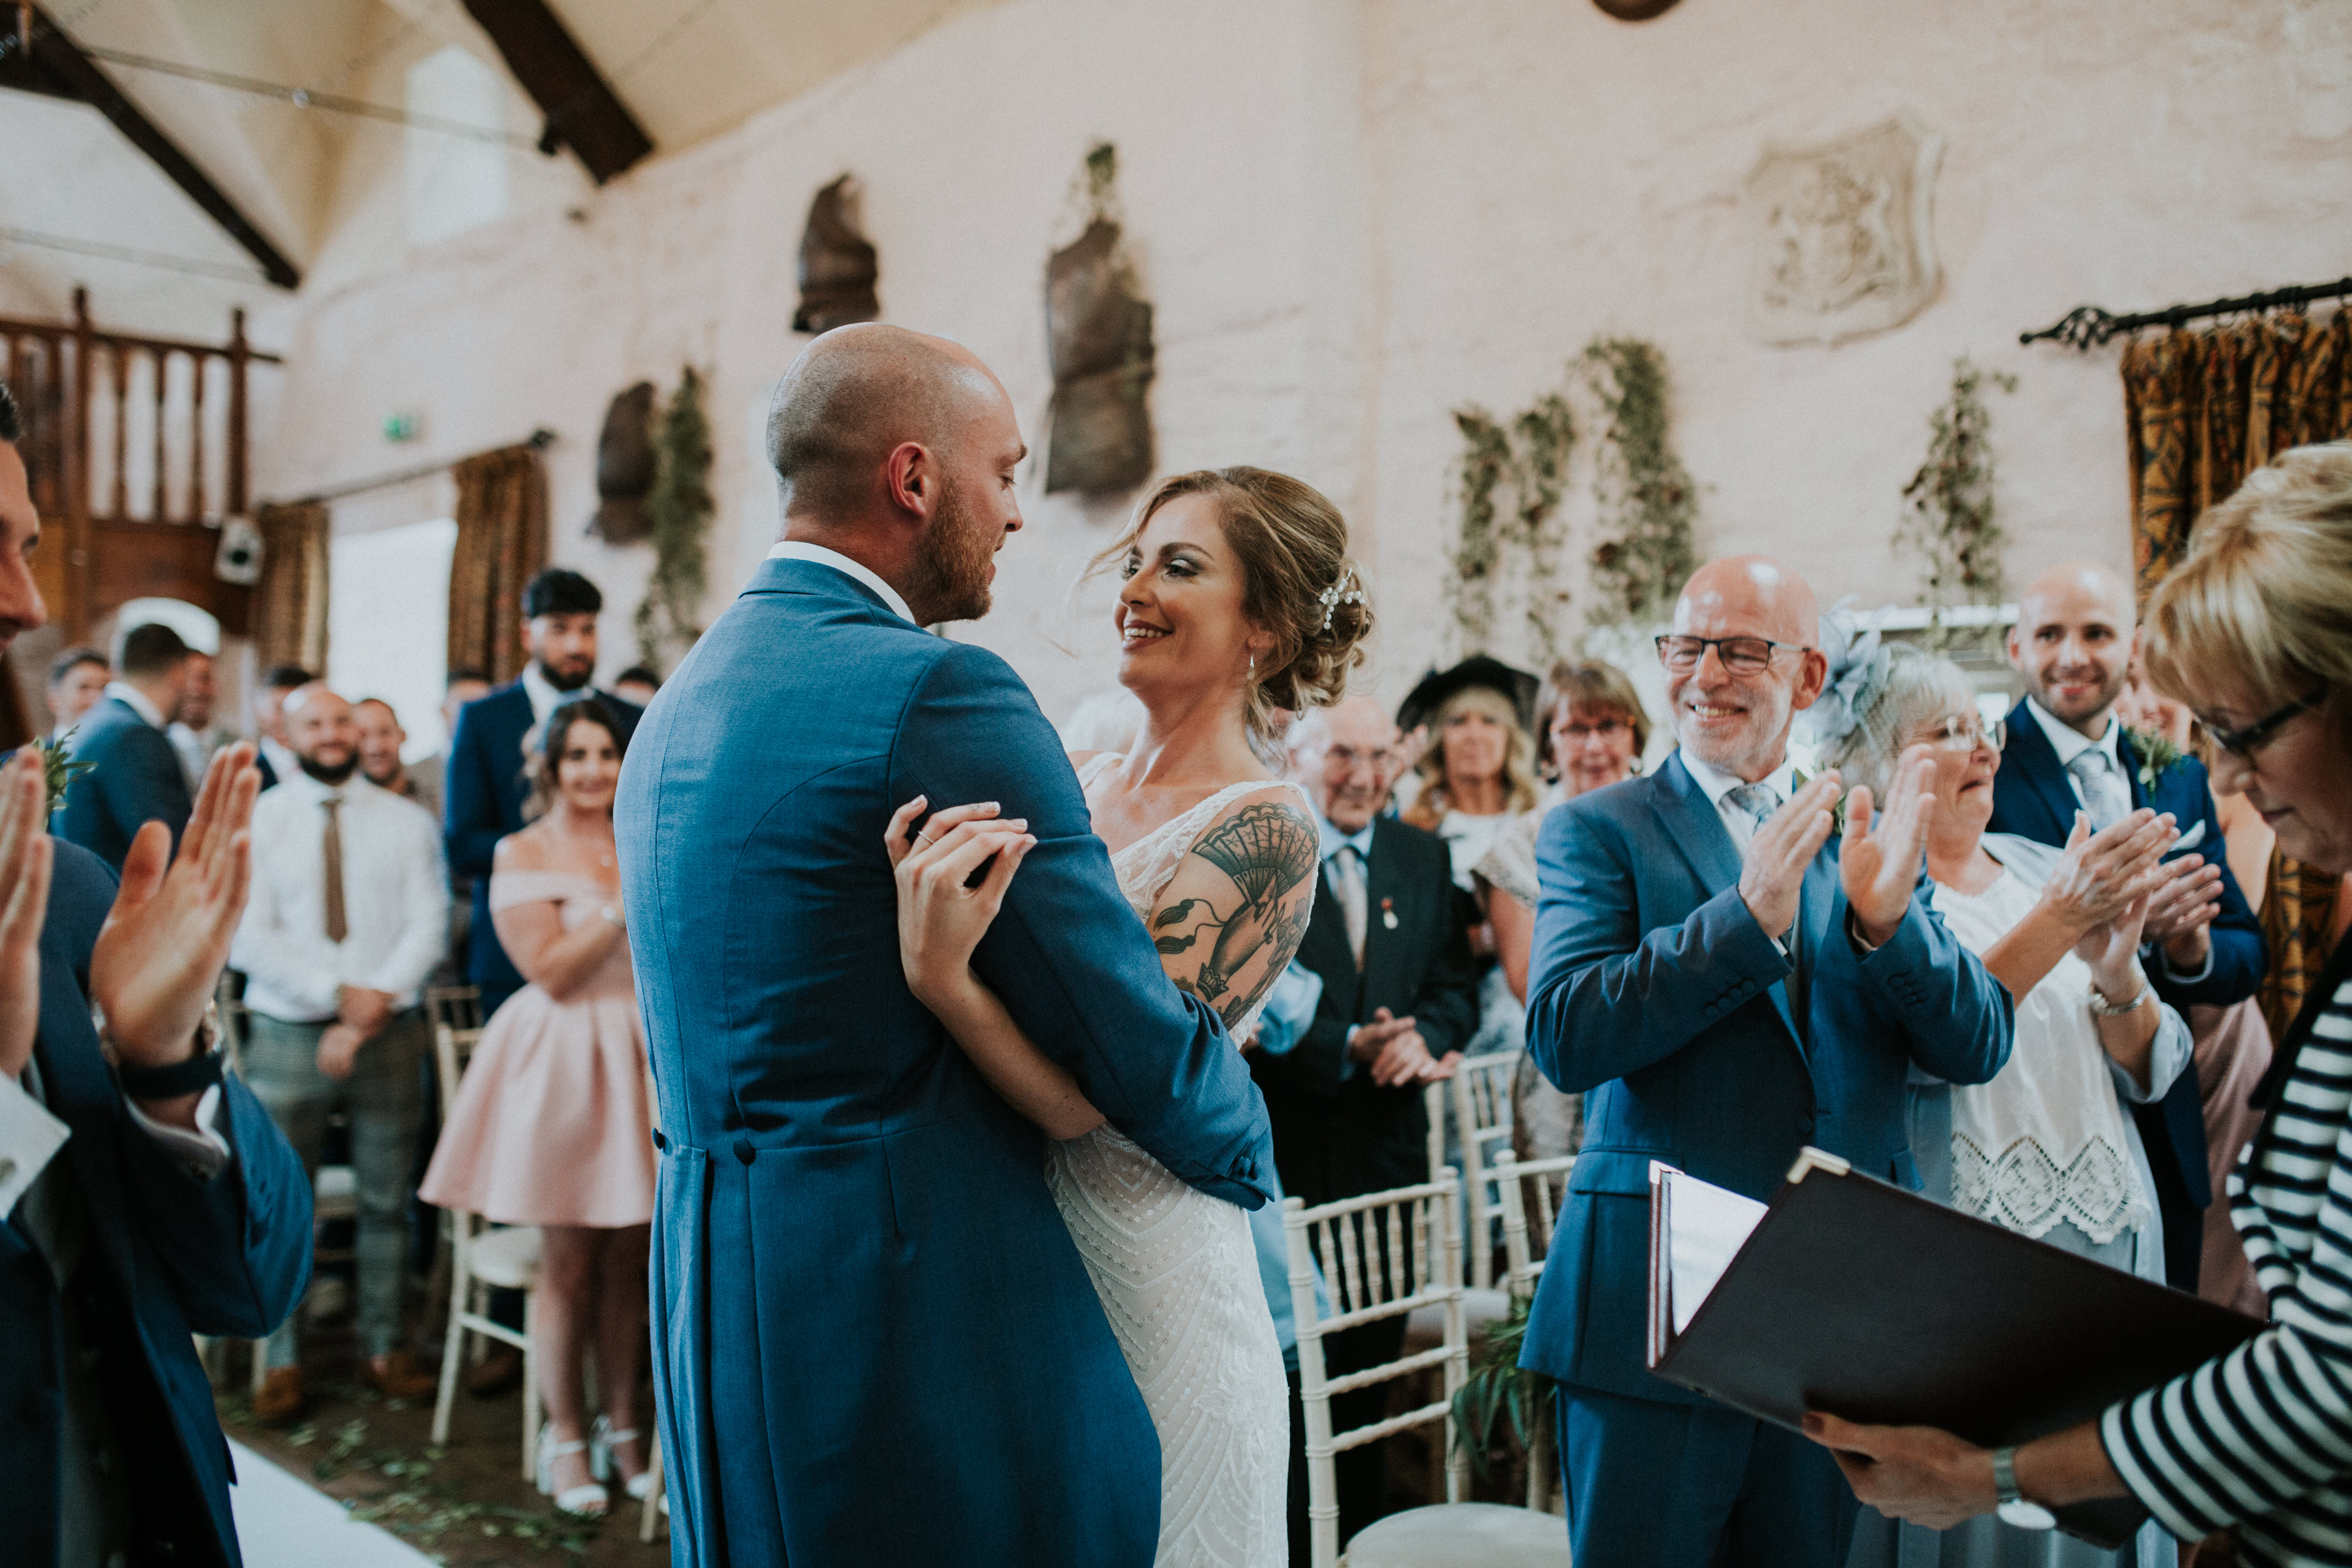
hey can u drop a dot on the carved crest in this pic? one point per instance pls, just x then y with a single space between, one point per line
625 464
1844 234
838 266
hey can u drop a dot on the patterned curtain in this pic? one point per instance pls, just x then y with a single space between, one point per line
501 542
2201 411
289 602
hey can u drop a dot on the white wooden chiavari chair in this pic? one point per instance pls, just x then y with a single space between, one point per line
1525 1237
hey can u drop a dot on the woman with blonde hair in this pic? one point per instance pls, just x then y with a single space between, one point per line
1477 765
2253 631
1238 602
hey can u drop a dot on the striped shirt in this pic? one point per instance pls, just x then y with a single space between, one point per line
2260 1439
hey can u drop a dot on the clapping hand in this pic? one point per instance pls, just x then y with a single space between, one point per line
164 941
2112 949
25 860
1772 878
2181 910
940 919
1879 860
1397 1056
2102 874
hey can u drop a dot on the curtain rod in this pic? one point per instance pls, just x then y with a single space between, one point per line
538 440
2087 327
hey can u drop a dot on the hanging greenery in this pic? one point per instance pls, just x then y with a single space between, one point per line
678 512
1948 507
1535 467
1648 499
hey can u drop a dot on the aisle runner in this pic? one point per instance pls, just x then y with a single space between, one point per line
283 1522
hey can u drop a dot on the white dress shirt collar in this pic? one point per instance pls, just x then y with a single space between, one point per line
1333 840
800 550
124 692
1718 783
2070 742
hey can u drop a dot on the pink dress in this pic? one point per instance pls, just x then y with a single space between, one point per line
552 1123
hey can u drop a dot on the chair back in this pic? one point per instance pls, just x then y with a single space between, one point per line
459 1006
1482 1126
1530 1205
453 1048
1382 1255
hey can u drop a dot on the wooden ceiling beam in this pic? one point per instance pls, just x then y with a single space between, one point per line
55 68
583 110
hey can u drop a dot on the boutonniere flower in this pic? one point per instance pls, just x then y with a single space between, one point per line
58 768
2156 752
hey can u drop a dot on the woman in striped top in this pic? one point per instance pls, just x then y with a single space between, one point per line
2254 632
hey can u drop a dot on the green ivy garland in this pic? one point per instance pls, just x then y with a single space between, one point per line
679 509
1648 500
1535 467
1477 550
1546 434
1947 506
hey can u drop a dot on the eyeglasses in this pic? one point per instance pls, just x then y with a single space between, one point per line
1576 729
1967 735
1740 656
2242 742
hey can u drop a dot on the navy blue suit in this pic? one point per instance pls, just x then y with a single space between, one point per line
167 1256
134 778
874 1341
2033 798
1654 991
482 798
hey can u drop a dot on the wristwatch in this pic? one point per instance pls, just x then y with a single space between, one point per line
191 1075
2014 1509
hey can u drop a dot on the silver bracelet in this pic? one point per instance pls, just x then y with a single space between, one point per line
2103 1008
612 917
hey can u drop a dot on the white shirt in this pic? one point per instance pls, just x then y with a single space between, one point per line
280 757
545 696
1719 784
395 900
2070 742
124 692
797 549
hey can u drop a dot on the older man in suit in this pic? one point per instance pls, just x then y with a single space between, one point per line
483 788
1727 982
135 775
2068 754
874 1338
142 1200
1390 939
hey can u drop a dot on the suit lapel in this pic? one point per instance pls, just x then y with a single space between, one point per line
1813 923
1323 948
1693 826
2128 758
1385 895
2028 753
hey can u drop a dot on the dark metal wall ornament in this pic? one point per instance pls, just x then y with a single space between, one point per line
1636 10
625 464
839 264
1098 336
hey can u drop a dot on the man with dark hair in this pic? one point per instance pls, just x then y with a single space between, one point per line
191 730
77 679
143 1198
277 759
636 684
482 790
135 775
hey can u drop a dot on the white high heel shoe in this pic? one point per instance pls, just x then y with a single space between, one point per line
586 1501
601 1440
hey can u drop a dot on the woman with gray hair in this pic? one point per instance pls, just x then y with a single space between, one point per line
2046 1148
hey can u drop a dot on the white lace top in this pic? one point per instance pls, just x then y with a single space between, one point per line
2046 1140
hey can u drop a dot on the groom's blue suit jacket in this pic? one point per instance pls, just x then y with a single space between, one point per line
874 1340
1653 990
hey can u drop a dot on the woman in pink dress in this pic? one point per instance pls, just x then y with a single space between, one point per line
552 1126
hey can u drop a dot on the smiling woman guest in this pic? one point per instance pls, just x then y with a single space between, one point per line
1477 773
2253 631
2061 932
551 1126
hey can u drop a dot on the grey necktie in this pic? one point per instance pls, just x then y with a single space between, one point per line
1347 883
1759 801
2104 794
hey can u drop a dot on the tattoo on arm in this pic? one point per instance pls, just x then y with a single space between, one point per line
1269 852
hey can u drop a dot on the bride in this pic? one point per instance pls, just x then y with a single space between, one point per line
1239 601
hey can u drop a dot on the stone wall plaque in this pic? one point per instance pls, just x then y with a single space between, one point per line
1843 234
838 266
1098 335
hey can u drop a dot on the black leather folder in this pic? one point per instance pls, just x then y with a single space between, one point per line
1856 1298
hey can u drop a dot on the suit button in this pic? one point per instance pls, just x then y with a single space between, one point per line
1806 1127
744 1150
660 1141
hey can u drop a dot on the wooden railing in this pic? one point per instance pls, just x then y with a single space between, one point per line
88 436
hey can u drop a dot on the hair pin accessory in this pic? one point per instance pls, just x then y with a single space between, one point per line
1338 594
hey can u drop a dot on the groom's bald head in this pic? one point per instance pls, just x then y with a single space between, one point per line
856 395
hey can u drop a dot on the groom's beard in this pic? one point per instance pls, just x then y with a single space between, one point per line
949 579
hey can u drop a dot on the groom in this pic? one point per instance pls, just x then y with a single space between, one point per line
872 1338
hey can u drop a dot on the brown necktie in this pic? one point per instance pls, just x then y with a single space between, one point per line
337 928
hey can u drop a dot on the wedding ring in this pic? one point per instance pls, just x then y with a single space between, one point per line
925 837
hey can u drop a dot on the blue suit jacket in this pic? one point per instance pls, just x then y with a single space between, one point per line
134 779
2033 798
172 1257
1654 990
481 801
872 1338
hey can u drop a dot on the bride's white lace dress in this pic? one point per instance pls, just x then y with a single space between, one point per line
1177 1277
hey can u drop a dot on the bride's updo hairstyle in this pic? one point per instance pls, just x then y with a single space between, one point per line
1298 585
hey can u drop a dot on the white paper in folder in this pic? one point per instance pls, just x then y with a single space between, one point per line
1705 1225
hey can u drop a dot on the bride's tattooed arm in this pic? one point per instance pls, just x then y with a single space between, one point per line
1229 921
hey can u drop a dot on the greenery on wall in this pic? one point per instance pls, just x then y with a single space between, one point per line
679 511
1534 467
1948 507
1648 499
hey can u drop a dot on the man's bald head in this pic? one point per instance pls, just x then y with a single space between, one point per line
1739 719
2073 641
320 731
1348 756
855 396
1765 598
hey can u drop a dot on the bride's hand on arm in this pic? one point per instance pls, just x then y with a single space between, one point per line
941 922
